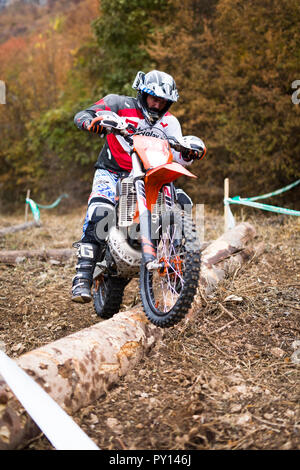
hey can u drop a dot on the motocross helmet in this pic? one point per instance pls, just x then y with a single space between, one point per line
155 83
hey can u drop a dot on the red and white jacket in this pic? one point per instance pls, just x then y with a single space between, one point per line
114 155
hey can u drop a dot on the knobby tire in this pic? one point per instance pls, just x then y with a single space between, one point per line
108 296
190 276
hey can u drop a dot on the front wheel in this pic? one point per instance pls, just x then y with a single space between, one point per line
168 292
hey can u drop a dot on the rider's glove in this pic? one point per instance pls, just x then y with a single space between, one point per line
190 155
95 125
108 123
195 148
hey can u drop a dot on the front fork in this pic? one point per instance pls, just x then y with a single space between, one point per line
148 248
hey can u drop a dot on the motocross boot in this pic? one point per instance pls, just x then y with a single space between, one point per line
82 282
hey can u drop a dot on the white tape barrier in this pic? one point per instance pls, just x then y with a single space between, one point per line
54 422
230 220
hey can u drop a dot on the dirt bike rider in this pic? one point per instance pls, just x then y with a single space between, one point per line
156 91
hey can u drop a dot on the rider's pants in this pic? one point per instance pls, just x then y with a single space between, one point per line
102 196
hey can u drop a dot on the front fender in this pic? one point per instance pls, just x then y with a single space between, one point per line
163 174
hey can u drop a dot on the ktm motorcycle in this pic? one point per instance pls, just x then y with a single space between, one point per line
148 234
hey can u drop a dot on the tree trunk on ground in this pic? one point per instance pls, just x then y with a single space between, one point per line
18 228
18 256
80 368
77 370
229 244
224 255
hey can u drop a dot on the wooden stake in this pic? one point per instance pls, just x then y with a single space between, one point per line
26 205
226 195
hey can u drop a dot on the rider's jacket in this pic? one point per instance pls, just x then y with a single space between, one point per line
114 155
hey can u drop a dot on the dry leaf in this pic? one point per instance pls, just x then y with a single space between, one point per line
243 419
277 352
114 425
233 298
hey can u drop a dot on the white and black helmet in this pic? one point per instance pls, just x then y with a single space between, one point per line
155 83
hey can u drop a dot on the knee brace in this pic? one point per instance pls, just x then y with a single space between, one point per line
102 218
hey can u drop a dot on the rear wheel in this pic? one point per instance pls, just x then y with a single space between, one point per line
108 294
167 293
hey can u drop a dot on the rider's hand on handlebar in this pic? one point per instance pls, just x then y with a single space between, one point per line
96 125
108 123
190 155
193 148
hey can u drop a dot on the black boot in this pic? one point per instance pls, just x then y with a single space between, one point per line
82 282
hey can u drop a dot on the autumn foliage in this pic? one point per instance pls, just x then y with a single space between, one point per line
233 61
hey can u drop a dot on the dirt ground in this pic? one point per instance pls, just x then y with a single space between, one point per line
226 379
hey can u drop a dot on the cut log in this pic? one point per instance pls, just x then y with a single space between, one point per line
18 228
77 369
224 255
80 368
18 256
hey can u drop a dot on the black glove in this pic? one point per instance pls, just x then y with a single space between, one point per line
95 126
190 155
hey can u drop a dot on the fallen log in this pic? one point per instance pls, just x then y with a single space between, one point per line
80 368
18 228
224 255
77 369
19 256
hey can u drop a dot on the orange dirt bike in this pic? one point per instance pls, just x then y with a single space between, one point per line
148 234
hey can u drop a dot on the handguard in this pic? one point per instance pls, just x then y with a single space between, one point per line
107 123
193 148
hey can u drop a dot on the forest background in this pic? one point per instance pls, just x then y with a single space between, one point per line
236 64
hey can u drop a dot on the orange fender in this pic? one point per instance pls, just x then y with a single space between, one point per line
163 174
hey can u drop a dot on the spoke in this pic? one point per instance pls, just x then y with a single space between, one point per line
164 299
173 255
172 288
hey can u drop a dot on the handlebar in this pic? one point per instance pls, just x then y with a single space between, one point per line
117 125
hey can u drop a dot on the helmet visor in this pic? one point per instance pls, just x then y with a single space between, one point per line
164 91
